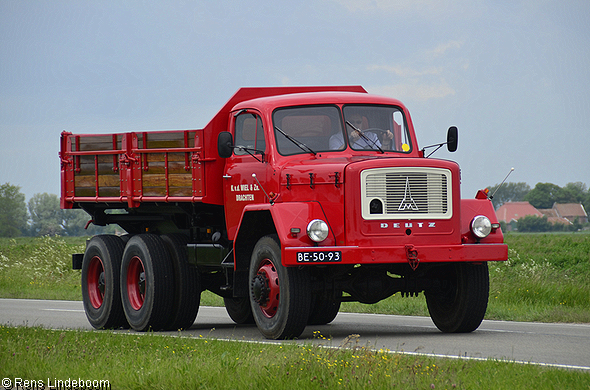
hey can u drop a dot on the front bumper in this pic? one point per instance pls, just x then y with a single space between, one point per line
295 256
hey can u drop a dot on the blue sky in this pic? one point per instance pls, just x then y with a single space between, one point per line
513 76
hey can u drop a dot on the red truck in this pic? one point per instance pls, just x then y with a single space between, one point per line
290 201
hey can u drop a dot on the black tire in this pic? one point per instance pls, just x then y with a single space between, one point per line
239 310
187 286
101 293
147 283
324 309
279 296
459 302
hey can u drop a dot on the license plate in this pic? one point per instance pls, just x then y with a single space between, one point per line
319 257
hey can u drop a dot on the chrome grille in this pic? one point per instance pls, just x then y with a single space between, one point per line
405 193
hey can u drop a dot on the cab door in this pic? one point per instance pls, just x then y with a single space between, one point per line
249 157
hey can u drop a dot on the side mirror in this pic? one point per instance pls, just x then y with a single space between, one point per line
225 144
452 139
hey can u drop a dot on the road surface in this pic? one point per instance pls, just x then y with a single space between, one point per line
562 345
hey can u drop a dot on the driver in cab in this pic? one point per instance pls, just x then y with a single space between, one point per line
358 138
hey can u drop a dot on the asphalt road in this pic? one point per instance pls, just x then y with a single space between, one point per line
562 345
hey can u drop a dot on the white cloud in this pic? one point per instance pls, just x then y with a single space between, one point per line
444 47
415 90
406 71
425 76
438 9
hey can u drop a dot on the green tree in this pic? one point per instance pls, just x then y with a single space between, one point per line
13 211
572 193
46 216
76 220
533 223
543 195
509 192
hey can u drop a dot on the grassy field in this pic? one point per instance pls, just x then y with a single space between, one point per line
40 268
147 361
546 279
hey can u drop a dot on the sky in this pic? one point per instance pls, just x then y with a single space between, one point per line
513 76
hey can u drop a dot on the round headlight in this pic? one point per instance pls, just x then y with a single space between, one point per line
481 226
317 230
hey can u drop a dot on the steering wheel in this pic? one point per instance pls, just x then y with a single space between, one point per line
374 130
380 133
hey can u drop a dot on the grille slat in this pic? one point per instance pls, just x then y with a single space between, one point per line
407 193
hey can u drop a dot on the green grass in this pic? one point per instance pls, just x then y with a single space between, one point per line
40 268
546 279
148 361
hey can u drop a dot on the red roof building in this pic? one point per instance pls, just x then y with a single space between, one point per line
565 213
553 216
512 211
571 211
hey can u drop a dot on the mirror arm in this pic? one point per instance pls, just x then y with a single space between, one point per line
438 146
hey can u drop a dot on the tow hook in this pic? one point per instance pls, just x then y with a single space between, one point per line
412 256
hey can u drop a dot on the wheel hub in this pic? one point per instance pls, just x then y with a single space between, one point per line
96 284
101 283
260 289
142 283
265 289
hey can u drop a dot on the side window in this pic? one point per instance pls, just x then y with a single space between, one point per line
249 134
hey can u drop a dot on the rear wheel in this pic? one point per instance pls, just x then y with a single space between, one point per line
101 294
187 286
147 283
279 296
459 300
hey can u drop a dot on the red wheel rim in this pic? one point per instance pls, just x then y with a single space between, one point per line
269 272
95 282
136 283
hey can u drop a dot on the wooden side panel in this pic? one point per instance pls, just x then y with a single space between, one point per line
97 171
105 165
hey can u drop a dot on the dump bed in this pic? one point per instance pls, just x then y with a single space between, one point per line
135 167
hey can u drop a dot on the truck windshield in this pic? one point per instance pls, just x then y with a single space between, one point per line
369 127
323 128
311 126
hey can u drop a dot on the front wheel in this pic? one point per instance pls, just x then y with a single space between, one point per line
279 296
239 310
324 309
458 300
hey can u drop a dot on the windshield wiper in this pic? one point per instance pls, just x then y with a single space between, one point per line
250 150
300 144
367 139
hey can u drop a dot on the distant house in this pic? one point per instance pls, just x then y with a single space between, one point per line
571 211
553 216
565 213
510 212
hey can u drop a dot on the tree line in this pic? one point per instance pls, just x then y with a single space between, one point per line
542 196
41 216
